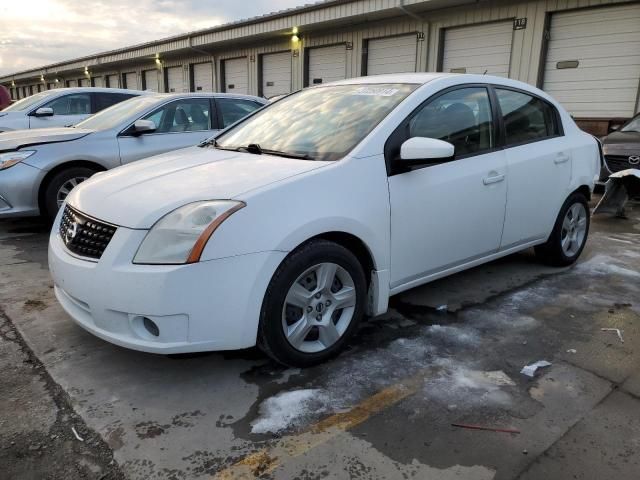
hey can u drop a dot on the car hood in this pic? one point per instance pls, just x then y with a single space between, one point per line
14 140
138 195
623 141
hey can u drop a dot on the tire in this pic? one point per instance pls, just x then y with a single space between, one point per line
317 327
60 182
568 238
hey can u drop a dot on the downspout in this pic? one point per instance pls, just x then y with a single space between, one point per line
213 61
409 12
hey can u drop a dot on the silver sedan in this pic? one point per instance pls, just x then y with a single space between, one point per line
38 168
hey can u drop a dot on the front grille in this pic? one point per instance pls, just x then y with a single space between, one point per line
84 235
617 163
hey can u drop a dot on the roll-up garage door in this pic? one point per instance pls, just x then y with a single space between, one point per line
98 82
175 80
327 64
593 61
131 81
236 75
276 74
203 77
112 81
72 83
84 82
392 55
151 80
478 49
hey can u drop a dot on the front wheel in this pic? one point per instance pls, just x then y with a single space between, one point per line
313 304
569 235
61 185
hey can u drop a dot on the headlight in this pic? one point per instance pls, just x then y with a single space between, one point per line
180 236
9 159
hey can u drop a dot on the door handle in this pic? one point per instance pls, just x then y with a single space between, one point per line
493 179
561 158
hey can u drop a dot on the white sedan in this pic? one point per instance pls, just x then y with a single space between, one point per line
296 222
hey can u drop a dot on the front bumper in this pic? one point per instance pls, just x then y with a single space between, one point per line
19 190
212 305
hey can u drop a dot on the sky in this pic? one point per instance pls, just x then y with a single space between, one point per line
39 32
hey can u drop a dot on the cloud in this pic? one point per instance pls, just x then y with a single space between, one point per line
39 32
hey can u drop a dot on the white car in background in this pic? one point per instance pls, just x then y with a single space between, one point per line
60 107
38 168
295 222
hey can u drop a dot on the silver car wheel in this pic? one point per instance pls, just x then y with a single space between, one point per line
66 187
574 229
319 308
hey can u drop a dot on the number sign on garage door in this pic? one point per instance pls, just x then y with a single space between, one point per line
130 80
174 79
150 79
112 81
236 75
478 49
392 54
593 61
276 74
203 77
327 64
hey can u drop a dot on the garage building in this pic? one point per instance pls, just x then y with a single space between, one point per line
586 53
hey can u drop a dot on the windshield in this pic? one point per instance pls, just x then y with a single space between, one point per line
121 112
28 102
632 126
321 123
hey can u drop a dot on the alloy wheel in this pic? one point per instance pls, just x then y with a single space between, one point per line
319 308
66 187
574 229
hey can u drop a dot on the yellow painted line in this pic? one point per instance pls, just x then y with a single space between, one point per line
292 446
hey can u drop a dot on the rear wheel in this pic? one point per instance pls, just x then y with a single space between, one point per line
569 235
313 304
61 185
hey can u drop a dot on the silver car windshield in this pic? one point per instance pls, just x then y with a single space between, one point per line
321 123
28 102
632 126
120 112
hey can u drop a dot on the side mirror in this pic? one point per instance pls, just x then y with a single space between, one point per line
419 150
141 127
43 112
614 128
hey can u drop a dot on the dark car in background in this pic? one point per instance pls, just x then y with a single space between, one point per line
621 148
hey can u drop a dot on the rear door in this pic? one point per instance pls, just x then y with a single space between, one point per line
67 110
448 214
539 164
179 124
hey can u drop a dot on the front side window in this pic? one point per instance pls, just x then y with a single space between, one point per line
526 118
188 115
234 109
461 117
320 123
74 104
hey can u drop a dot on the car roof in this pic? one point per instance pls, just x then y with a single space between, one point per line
94 89
207 95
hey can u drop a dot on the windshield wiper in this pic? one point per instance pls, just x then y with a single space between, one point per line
256 149
277 153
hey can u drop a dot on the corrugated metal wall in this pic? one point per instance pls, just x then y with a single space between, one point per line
271 35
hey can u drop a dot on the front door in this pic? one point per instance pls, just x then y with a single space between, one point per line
452 213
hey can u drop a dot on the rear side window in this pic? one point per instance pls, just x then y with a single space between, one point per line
526 118
187 115
75 104
234 109
106 100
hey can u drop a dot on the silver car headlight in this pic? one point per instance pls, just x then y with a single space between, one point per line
9 159
180 236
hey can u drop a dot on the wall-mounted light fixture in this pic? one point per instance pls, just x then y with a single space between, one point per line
295 38
42 78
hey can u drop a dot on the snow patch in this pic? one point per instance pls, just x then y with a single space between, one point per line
454 334
604 265
288 409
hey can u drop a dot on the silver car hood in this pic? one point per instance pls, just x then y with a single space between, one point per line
14 140
139 194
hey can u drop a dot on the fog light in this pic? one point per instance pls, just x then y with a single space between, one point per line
151 326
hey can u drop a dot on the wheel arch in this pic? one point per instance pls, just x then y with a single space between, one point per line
584 190
59 168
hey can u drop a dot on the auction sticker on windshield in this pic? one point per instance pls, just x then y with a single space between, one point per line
376 92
